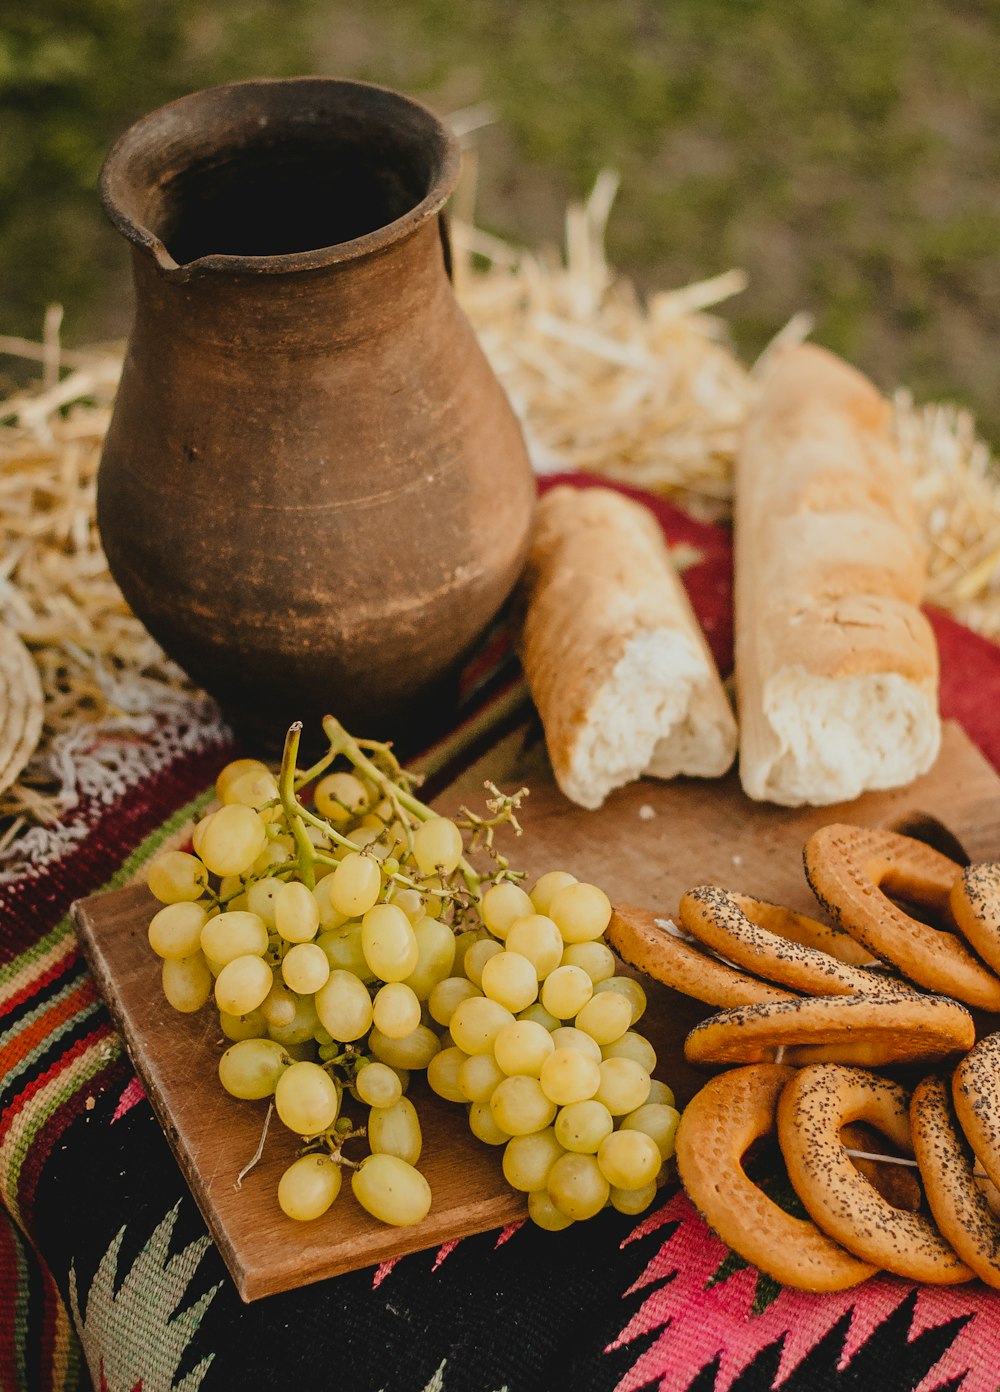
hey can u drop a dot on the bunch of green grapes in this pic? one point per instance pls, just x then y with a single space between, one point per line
347 941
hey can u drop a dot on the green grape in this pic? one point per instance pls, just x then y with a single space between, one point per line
566 1037
415 1050
411 901
253 788
633 1201
232 840
198 832
242 985
478 1077
437 846
447 995
378 1085
308 1187
391 1190
260 899
577 1187
301 1028
544 1214
251 1068
355 885
510 980
522 1047
630 989
624 1085
389 943
540 1016
596 959
476 1022
606 1017
582 1126
547 886
519 1105
175 877
484 1127
396 1010
395 1130
277 852
305 968
568 1075
344 951
629 1159
279 1005
307 1099
536 937
296 913
435 956
566 991
234 934
443 1071
301 1053
340 797
233 771
187 982
659 1092
502 905
344 1007
528 1159
659 1121
237 1027
476 956
633 1046
175 931
329 917
582 912
463 941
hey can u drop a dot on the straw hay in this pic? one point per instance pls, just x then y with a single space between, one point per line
646 393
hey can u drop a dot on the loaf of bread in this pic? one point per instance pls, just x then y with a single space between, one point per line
617 664
836 667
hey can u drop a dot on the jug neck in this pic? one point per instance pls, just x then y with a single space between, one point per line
336 305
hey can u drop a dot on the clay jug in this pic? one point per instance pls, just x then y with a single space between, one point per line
313 492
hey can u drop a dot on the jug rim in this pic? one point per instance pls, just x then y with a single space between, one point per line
167 120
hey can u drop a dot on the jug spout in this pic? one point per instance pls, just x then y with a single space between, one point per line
271 176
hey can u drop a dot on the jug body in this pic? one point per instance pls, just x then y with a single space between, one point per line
313 489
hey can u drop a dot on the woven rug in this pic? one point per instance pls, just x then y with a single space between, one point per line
106 1269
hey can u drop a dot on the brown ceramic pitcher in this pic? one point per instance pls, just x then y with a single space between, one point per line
313 491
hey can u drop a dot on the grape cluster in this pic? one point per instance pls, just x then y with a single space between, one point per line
347 941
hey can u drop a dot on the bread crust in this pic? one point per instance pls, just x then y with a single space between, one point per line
599 578
829 573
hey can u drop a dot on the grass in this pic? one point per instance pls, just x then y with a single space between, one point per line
844 152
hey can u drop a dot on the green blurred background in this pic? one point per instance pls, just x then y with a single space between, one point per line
846 153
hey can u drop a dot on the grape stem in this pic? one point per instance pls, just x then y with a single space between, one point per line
258 1152
292 810
343 743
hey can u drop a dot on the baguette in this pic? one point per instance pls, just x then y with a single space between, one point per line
836 667
617 664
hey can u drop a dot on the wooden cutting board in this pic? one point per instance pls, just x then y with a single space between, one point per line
649 843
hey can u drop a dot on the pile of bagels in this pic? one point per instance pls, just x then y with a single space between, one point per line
896 1171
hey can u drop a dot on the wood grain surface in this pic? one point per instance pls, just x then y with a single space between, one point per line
650 843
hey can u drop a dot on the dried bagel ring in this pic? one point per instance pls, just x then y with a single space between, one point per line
717 1128
869 1030
852 870
974 901
725 922
946 1165
975 1095
638 939
814 1105
800 928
